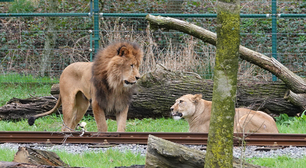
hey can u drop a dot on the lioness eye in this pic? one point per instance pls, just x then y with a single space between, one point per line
181 101
132 65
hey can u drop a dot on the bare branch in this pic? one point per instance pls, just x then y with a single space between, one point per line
293 81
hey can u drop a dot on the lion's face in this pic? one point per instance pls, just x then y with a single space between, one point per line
123 68
130 73
185 106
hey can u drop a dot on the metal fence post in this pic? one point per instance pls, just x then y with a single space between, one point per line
96 26
274 33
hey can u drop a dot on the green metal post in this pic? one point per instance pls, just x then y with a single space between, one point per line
274 33
90 31
96 25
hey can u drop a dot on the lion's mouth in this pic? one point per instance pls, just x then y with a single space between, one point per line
177 114
129 83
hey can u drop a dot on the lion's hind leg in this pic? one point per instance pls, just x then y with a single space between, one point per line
74 110
253 123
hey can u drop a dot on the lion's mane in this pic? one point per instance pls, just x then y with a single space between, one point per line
106 78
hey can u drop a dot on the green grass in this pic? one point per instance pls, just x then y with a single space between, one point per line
25 79
113 158
10 90
292 125
279 162
54 123
108 159
21 86
7 154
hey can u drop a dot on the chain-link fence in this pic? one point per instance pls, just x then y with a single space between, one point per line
23 40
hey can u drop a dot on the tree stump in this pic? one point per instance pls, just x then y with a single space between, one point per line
37 157
166 154
26 165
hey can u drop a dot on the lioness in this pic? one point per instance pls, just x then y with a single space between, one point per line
197 112
107 83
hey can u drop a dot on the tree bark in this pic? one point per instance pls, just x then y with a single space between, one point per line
37 157
166 154
220 135
293 81
157 93
26 165
296 99
45 65
17 109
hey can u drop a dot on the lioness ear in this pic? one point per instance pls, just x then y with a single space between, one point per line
197 98
122 51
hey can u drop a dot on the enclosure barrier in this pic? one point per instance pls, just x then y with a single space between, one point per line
94 12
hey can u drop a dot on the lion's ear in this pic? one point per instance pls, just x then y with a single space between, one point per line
123 51
197 98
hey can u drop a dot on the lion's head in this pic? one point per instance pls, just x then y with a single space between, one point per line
185 106
119 65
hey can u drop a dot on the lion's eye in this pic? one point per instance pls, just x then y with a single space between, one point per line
132 66
181 101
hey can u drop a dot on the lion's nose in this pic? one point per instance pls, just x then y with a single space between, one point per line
137 77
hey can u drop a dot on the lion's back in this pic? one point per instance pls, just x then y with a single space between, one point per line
76 76
77 70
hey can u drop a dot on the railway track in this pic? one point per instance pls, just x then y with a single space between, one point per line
142 137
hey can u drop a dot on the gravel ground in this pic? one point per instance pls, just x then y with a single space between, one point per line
250 151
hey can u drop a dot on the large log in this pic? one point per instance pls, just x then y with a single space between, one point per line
157 91
166 154
16 109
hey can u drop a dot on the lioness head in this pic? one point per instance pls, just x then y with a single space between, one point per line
185 106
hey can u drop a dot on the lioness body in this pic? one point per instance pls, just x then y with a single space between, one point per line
197 112
108 83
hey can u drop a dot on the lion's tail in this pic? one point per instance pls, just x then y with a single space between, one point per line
32 119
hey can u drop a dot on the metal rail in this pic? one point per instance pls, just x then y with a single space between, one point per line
142 137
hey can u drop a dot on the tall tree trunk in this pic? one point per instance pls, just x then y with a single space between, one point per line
220 136
50 40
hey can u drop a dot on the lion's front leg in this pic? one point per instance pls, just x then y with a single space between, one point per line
121 118
99 117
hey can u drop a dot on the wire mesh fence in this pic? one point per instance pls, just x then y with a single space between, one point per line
23 39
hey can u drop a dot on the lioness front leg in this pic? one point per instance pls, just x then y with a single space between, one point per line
99 117
121 118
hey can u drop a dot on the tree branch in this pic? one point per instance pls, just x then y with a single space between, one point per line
293 81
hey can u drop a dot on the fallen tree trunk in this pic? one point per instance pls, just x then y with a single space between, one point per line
26 165
163 153
16 109
158 90
293 81
38 157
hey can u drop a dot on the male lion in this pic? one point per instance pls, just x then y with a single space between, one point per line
197 112
107 83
